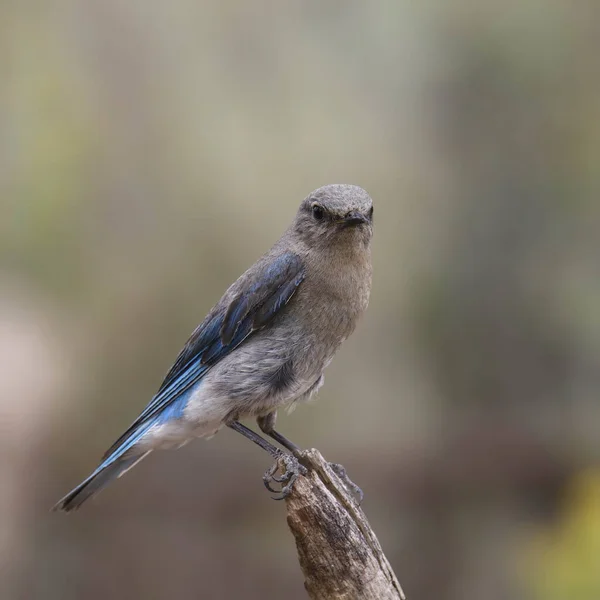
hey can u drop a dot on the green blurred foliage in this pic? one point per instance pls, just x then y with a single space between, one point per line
564 559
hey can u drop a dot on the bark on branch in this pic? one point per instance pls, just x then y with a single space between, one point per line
338 551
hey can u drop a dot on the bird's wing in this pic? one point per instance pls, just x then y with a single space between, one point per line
260 296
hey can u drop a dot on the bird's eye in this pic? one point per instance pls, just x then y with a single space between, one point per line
318 212
370 214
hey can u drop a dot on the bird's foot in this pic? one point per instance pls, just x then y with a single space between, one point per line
293 469
340 471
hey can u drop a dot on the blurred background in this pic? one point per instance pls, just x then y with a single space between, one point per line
151 151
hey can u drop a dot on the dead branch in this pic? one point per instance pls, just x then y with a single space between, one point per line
338 551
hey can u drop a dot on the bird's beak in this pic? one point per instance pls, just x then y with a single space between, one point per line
355 218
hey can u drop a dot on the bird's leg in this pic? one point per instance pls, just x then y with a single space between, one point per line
292 466
257 439
267 425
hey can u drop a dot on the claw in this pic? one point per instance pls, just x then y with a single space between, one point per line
292 469
269 476
340 471
287 489
283 479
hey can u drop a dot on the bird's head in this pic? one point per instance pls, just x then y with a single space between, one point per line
335 214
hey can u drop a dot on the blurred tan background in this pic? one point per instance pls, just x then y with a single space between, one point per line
150 151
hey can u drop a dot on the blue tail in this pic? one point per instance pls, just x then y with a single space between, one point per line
118 462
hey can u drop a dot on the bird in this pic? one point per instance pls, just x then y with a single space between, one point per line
264 345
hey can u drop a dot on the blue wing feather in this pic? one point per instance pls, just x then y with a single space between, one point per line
225 328
273 283
268 310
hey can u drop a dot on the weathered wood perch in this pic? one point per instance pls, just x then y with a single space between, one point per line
338 551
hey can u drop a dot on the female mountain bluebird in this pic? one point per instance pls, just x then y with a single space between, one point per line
265 344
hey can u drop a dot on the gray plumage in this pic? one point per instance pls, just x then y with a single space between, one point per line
266 343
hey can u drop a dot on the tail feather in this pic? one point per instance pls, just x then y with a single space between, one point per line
100 478
125 457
